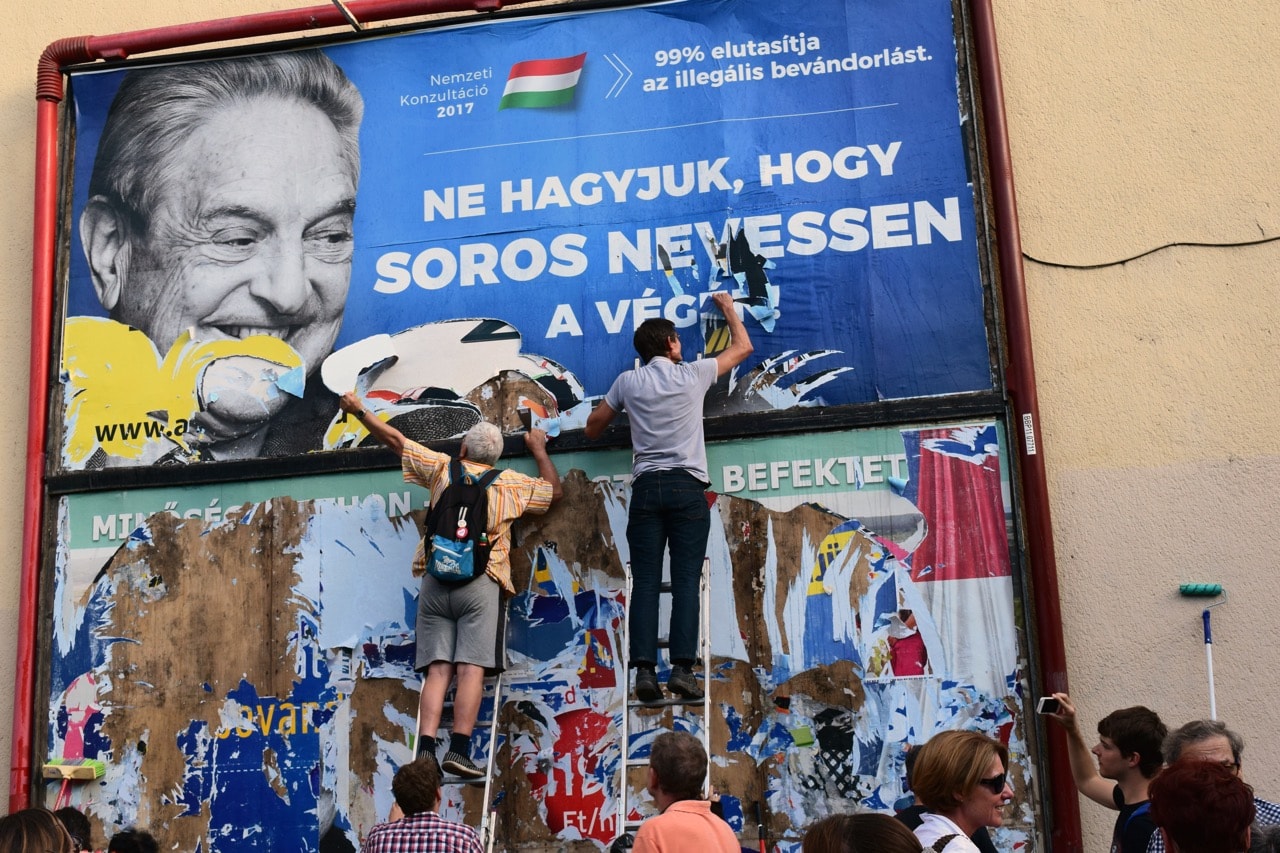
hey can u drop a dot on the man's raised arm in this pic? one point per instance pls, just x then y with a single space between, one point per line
536 441
1088 781
379 429
601 416
739 341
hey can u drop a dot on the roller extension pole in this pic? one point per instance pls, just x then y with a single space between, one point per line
1207 590
1208 663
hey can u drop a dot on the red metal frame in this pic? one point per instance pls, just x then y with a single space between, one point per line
1020 370
1021 378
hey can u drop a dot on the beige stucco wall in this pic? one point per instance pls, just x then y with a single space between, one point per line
1134 125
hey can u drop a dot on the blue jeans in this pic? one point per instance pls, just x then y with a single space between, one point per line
668 509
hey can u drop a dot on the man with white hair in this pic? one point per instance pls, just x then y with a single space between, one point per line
1211 740
461 628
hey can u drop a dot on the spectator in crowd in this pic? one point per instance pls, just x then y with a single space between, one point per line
913 816
962 779
1211 740
77 825
685 824
34 831
1202 807
414 826
1129 757
133 841
860 833
1266 839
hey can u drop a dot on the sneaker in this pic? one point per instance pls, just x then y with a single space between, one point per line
682 683
459 765
647 689
423 748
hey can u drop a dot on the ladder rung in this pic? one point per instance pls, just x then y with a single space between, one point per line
697 708
449 779
662 703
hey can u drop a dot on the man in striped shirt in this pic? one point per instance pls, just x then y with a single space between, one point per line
461 629
414 826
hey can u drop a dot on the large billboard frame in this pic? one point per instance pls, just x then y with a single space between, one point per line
954 406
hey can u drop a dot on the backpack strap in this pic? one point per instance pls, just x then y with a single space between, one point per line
941 843
456 475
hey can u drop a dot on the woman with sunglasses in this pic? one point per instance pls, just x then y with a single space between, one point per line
961 778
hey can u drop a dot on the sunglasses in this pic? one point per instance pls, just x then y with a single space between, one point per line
995 784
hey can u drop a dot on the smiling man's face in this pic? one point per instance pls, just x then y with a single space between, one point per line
253 234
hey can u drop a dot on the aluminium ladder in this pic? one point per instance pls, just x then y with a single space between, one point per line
699 707
492 690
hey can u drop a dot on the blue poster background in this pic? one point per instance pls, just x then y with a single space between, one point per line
872 258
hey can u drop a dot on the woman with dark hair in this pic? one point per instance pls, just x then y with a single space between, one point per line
34 831
860 833
1202 807
962 779
77 825
133 841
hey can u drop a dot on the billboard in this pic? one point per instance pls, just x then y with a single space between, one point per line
240 655
485 212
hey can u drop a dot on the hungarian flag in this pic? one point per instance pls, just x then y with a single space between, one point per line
542 82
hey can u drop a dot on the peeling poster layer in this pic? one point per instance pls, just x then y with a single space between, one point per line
247 676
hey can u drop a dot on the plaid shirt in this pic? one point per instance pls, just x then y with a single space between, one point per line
1268 815
424 832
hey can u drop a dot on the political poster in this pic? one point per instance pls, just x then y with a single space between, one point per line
456 218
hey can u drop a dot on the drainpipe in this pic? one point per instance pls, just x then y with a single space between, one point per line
1020 374
49 94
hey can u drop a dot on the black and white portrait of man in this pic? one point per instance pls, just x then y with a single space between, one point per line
221 203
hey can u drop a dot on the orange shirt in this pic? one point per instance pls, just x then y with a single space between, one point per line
687 826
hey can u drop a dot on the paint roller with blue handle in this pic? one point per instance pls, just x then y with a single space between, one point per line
1207 590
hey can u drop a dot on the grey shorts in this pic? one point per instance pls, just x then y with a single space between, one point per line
461 624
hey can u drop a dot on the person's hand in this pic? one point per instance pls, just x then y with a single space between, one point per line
1066 716
350 403
535 440
723 300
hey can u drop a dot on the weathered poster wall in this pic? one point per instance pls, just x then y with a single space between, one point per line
520 195
240 656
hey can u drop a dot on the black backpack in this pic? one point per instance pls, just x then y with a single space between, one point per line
457 533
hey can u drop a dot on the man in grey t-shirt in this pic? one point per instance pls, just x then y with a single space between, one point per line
663 400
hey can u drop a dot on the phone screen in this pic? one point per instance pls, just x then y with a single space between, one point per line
1048 705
